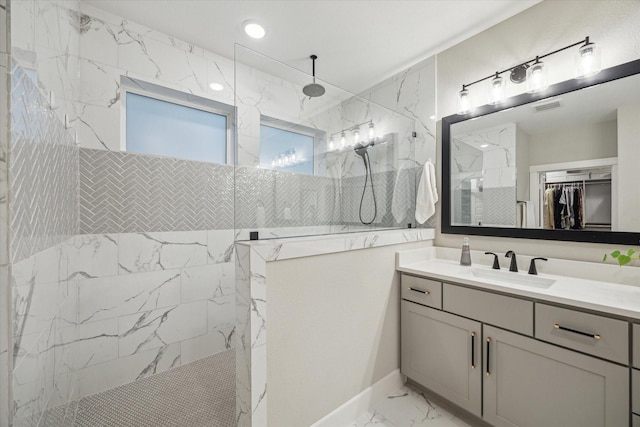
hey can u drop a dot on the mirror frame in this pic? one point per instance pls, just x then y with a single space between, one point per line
614 237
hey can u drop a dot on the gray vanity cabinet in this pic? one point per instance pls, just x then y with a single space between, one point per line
443 352
529 383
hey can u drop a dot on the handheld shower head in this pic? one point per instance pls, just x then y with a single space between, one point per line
313 90
361 150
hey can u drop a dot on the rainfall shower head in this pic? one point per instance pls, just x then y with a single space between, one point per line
313 90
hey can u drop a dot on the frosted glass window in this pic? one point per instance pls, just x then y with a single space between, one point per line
286 150
167 129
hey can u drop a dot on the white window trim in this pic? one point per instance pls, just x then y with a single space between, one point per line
173 96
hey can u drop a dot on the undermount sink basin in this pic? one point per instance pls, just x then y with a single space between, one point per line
509 277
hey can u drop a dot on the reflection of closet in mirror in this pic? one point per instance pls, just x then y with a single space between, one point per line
576 195
579 199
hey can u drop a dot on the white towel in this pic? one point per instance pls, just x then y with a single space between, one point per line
427 195
531 215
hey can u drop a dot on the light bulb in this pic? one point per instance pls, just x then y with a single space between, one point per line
496 90
343 140
356 136
372 131
587 60
293 156
536 77
254 30
464 101
331 144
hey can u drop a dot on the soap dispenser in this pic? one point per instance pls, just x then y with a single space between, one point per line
465 258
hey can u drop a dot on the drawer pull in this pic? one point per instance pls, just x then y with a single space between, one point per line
419 290
488 355
586 334
473 350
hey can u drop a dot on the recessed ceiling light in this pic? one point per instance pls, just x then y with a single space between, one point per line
254 30
484 145
432 117
216 86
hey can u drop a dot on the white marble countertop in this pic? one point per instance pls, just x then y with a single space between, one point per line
605 297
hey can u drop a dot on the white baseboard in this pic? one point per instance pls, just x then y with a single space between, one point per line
363 401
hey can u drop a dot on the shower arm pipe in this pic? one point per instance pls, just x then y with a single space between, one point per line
352 128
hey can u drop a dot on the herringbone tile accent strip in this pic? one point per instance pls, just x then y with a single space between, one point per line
499 206
43 172
127 193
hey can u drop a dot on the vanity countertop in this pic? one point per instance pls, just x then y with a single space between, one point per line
606 297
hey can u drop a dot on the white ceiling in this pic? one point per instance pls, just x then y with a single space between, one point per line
358 43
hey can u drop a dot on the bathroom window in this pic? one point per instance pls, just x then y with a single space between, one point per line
287 147
169 123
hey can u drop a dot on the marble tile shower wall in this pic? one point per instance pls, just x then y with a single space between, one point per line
92 311
44 208
412 93
5 299
43 173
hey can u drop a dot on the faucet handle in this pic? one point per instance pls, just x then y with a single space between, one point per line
532 266
496 264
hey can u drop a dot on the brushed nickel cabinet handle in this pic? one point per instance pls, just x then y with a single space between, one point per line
419 290
574 331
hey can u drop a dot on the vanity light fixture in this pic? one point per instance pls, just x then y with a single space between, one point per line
464 101
496 89
355 134
587 59
536 77
533 72
254 30
286 159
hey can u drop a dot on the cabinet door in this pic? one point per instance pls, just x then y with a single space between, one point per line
529 383
441 351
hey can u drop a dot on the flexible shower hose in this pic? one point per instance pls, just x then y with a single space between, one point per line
367 174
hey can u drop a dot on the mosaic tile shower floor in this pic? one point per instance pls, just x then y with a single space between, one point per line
199 394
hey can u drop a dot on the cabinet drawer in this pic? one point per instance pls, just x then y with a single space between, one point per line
601 336
635 422
498 310
635 391
423 291
636 346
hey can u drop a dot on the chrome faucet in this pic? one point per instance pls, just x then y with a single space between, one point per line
514 265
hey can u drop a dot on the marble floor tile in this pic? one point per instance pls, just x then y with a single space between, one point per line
408 407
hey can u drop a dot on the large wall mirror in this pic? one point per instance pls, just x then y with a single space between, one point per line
560 165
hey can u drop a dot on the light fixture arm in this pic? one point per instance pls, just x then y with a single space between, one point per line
585 41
